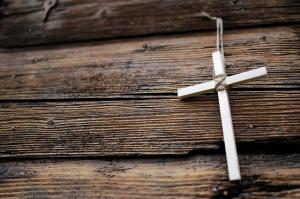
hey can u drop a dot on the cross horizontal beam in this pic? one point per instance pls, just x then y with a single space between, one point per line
230 81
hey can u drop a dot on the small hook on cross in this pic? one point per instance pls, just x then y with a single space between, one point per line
48 5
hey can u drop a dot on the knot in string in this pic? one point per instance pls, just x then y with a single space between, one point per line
220 82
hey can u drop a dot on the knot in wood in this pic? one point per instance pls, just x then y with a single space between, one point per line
220 82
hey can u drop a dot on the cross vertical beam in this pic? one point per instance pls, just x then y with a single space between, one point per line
228 133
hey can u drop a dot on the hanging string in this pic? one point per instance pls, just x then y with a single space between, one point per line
219 24
220 79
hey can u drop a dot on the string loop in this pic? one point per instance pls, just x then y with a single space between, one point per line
219 79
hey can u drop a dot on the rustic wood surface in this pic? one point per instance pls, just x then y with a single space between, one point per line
146 126
74 20
109 107
138 68
264 176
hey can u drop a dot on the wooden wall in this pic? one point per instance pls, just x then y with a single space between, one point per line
88 105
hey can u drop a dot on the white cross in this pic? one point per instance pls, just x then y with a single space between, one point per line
219 71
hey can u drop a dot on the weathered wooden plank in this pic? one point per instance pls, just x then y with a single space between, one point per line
73 20
264 176
156 65
143 127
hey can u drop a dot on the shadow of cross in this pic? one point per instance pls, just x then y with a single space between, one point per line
221 83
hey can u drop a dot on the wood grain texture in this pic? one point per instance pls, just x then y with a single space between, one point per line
264 176
74 20
145 66
144 127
